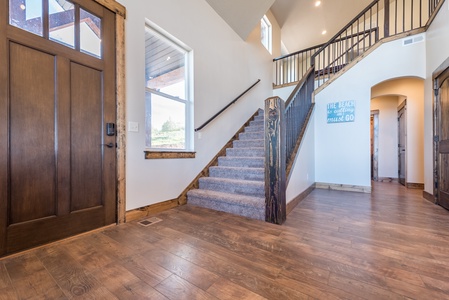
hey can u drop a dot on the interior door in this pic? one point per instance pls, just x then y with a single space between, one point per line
57 95
402 124
442 103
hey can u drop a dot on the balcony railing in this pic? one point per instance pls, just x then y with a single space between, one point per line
381 19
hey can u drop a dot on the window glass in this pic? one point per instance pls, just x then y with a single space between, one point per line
167 99
27 15
62 23
265 33
167 122
90 33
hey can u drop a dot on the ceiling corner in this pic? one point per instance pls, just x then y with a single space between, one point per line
241 16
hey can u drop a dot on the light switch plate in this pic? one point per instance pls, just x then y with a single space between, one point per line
133 126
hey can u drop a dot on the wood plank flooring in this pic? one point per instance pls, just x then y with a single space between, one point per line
391 244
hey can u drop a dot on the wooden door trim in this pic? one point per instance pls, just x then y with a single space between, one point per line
402 106
4 81
114 6
120 15
375 166
121 110
436 121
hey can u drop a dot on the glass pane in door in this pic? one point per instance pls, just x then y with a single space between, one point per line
62 22
90 33
27 15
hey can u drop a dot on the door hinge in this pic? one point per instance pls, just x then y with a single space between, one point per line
435 87
436 138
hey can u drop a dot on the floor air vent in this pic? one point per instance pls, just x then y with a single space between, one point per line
150 221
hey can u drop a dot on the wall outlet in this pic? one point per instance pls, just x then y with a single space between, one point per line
133 127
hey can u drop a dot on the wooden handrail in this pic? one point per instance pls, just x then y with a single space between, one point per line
224 108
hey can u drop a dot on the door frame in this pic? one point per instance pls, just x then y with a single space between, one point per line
436 121
120 16
375 151
403 105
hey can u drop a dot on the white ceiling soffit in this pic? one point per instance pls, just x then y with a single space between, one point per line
302 23
242 16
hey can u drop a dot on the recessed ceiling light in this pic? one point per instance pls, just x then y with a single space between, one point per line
317 3
323 32
168 58
22 6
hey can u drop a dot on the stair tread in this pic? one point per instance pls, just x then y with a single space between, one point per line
233 181
238 168
228 197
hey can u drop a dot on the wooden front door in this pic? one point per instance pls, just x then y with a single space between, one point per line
442 137
402 142
57 94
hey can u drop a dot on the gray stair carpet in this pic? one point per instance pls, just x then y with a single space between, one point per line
236 185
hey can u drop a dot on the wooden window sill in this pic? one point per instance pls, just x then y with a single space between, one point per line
168 154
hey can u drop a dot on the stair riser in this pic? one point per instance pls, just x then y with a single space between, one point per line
248 143
242 174
251 135
256 123
241 162
245 152
253 213
240 188
254 129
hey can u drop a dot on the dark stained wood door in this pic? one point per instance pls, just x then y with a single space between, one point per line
402 143
57 163
442 103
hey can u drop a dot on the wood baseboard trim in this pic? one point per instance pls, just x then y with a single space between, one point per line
145 211
386 179
412 185
429 197
292 204
343 187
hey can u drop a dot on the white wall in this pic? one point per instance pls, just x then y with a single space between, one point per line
303 171
437 46
224 66
284 92
388 135
342 151
413 90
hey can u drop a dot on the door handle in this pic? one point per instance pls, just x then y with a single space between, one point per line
110 145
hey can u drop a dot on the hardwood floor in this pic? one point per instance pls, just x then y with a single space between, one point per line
391 244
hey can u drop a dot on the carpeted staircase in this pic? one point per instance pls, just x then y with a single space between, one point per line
236 185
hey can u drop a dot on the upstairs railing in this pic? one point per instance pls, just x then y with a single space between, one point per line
379 20
286 122
292 67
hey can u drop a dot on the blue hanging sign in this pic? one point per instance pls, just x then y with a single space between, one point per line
339 112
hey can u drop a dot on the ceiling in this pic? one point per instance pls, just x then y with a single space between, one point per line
242 16
301 22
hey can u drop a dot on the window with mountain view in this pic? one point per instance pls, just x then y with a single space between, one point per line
168 107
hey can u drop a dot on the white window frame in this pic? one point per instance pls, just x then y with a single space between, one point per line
265 25
188 102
